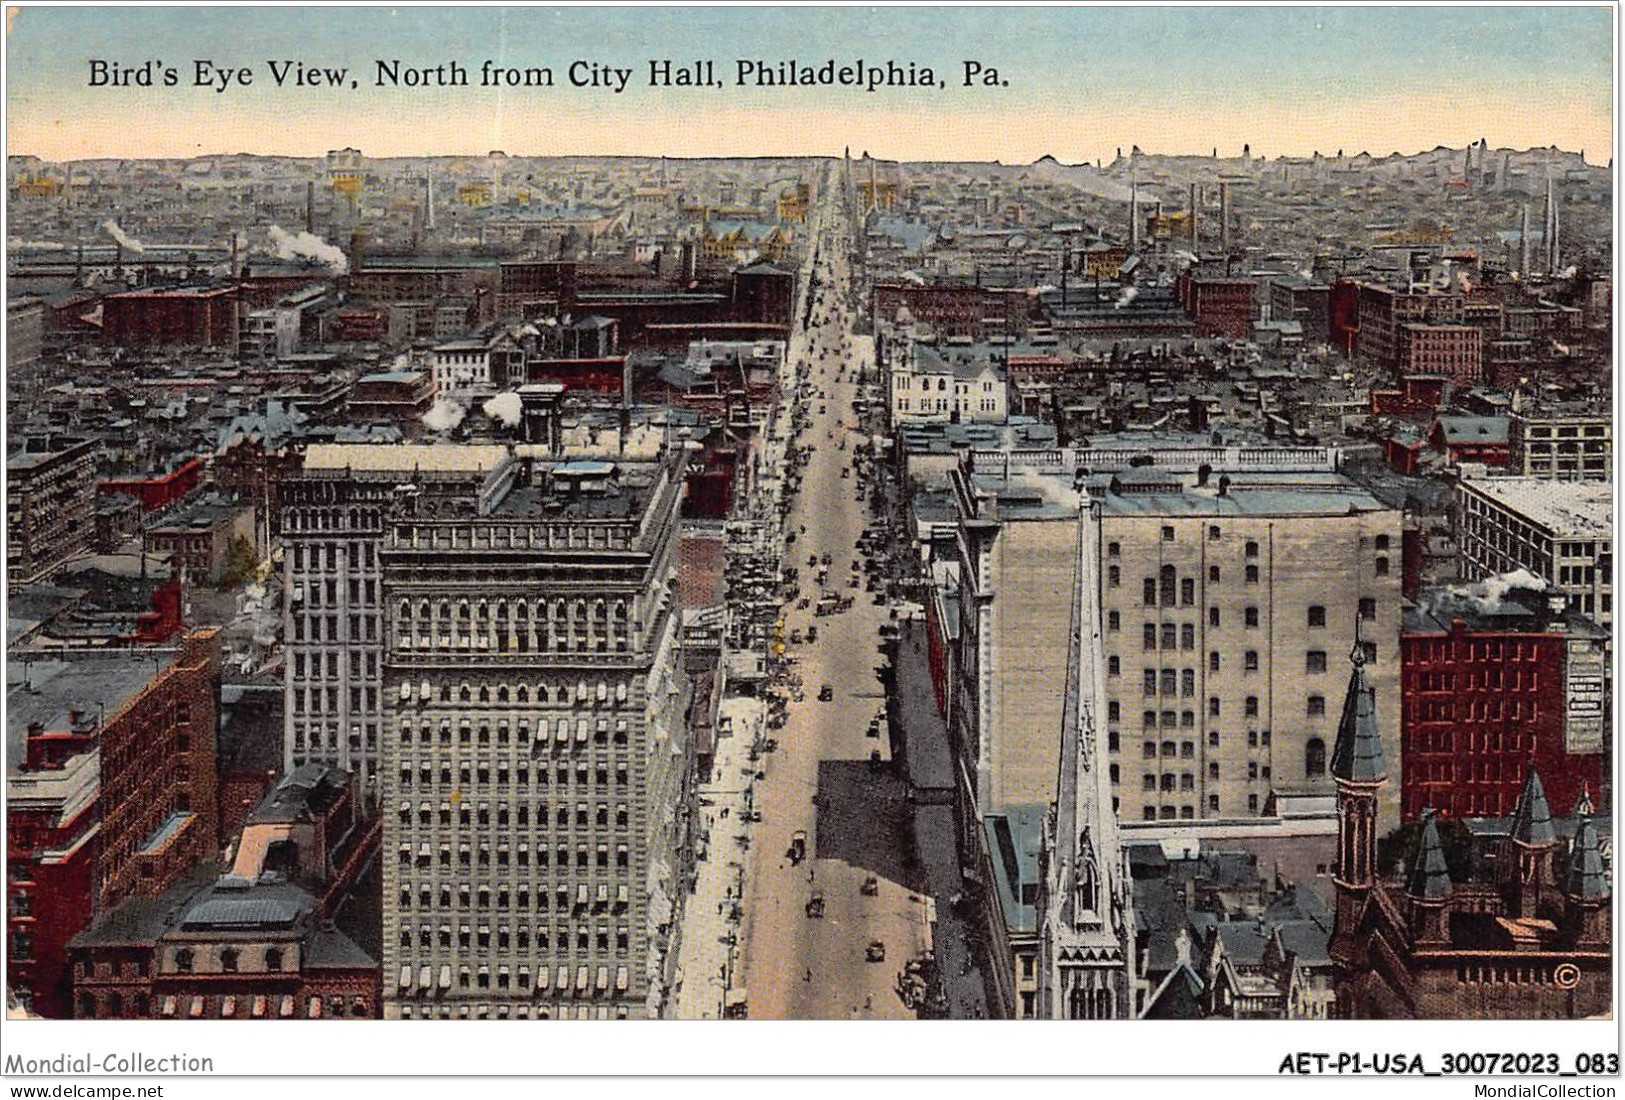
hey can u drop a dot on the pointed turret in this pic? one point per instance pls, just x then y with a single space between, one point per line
1582 804
1357 756
1588 878
1360 771
1527 858
1428 889
1532 817
1587 892
1430 874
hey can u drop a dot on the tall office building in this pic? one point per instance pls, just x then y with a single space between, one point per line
538 770
332 526
1228 600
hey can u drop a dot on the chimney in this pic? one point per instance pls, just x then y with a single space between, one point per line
1523 243
310 206
358 249
1546 226
1557 235
1224 216
1133 215
1195 198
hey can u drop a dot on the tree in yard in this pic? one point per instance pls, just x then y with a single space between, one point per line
241 561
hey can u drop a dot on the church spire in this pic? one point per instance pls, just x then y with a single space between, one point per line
1357 756
1085 908
1532 817
1430 875
1587 878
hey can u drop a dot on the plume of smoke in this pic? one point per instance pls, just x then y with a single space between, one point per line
444 415
1491 591
17 245
294 246
1125 296
123 238
504 407
1570 272
1466 283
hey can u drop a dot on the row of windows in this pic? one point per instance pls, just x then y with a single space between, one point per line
517 1012
318 628
1514 709
581 691
483 815
320 665
116 1006
525 641
465 898
1314 660
326 593
541 610
510 938
466 858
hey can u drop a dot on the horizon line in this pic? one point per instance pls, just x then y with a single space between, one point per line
1101 161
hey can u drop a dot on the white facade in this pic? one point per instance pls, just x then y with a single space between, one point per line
926 387
1561 531
462 365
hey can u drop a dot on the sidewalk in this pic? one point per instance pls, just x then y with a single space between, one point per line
707 959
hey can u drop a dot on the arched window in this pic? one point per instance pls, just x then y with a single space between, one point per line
184 960
228 960
273 958
1314 758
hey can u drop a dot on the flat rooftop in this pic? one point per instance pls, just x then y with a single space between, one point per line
1568 509
96 684
1148 491
406 458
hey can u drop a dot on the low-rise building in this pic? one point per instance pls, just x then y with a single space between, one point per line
50 501
1563 443
1561 531
256 943
1491 681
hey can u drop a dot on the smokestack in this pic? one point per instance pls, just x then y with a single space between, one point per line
1546 225
428 185
1523 243
358 247
1196 195
233 269
310 206
1133 214
1224 216
1552 251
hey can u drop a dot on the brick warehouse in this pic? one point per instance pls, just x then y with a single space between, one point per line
110 794
1488 687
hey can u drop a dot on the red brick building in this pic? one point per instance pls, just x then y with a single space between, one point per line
1519 930
1220 306
1451 350
181 315
609 375
1481 439
1418 395
951 310
763 294
159 491
1485 690
110 795
258 942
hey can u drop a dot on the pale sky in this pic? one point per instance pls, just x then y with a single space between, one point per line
1080 82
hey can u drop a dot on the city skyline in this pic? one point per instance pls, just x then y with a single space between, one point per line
1376 80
